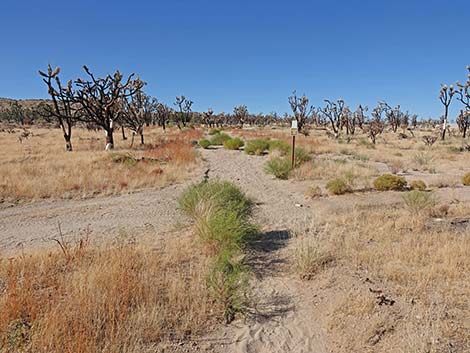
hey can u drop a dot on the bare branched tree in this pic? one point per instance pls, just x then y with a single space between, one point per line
334 111
137 111
162 115
463 122
302 111
445 96
99 100
62 109
183 115
240 113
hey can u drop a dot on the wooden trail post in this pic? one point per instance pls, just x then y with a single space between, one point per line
294 129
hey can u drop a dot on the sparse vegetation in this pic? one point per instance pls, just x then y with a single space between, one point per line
279 167
204 143
338 186
418 201
234 143
219 139
221 213
256 147
418 185
390 182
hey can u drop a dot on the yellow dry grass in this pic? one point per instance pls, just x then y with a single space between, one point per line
39 167
420 263
120 298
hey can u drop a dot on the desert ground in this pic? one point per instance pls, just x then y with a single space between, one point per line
359 269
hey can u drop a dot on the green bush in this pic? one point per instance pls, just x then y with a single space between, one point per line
417 201
466 179
338 186
222 212
301 156
418 185
204 143
279 167
233 143
389 182
219 139
256 147
214 131
283 147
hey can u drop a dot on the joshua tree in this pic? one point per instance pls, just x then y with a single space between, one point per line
62 108
208 118
302 111
162 115
445 96
335 114
99 100
463 122
183 115
359 117
137 112
240 114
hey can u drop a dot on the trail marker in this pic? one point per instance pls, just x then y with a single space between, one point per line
293 130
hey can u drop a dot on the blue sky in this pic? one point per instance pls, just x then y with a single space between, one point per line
225 53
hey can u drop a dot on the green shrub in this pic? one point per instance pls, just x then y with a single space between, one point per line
222 212
283 147
233 143
256 147
389 182
219 139
279 167
204 143
466 179
214 131
301 156
418 185
338 186
417 201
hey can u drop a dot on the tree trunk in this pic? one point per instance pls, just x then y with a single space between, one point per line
109 140
68 143
444 125
141 138
132 140
123 133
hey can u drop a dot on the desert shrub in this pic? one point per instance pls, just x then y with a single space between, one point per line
204 143
221 212
466 179
214 131
233 143
314 191
423 160
219 139
417 201
219 194
395 166
124 158
338 186
418 185
279 167
389 182
301 156
280 146
256 147
309 259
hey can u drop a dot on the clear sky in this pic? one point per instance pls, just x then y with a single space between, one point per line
225 53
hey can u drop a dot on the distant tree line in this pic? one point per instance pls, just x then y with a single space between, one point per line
116 102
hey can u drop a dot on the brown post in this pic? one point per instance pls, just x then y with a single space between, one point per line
293 151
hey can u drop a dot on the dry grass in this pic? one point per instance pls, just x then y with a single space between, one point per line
421 264
40 168
121 298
